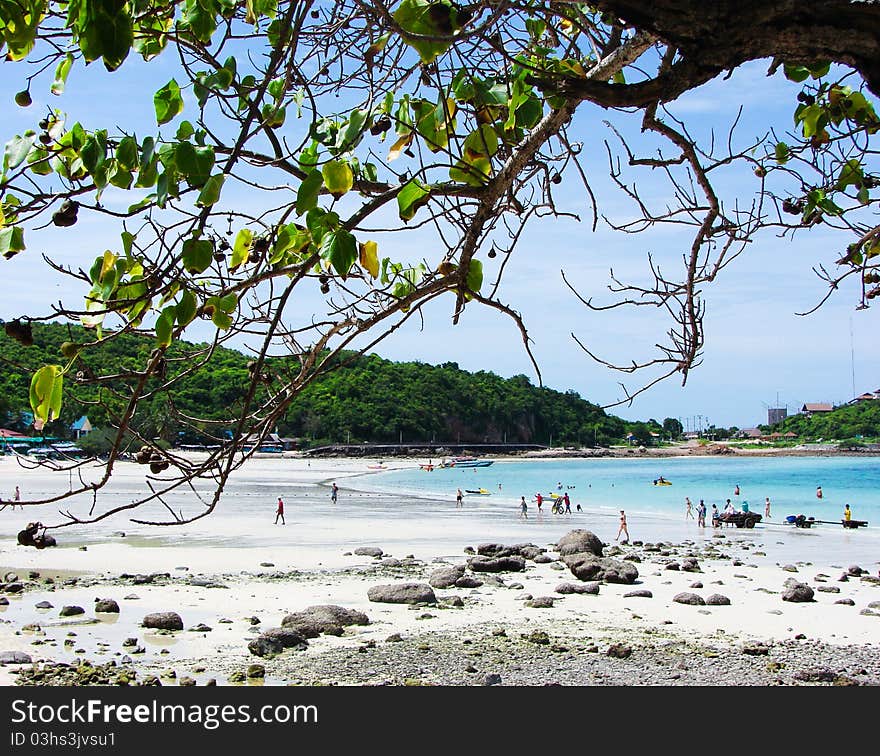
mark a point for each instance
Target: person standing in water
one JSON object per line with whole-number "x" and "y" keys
{"x": 523, "y": 508}
{"x": 458, "y": 498}
{"x": 622, "y": 529}
{"x": 540, "y": 500}
{"x": 767, "y": 507}
{"x": 279, "y": 512}
{"x": 334, "y": 492}
{"x": 688, "y": 513}
{"x": 847, "y": 514}
{"x": 818, "y": 492}
{"x": 567, "y": 503}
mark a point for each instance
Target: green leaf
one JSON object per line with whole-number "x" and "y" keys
{"x": 168, "y": 102}
{"x": 165, "y": 326}
{"x": 187, "y": 308}
{"x": 46, "y": 394}
{"x": 184, "y": 131}
{"x": 428, "y": 19}
{"x": 340, "y": 248}
{"x": 11, "y": 241}
{"x": 795, "y": 73}
{"x": 61, "y": 72}
{"x": 194, "y": 162}
{"x": 411, "y": 197}
{"x": 127, "y": 153}
{"x": 850, "y": 175}
{"x": 241, "y": 250}
{"x": 17, "y": 150}
{"x": 210, "y": 193}
{"x": 197, "y": 255}
{"x": 289, "y": 237}
{"x": 307, "y": 194}
{"x": 783, "y": 153}
{"x": 338, "y": 177}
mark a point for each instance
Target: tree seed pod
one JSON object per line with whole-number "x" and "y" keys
{"x": 21, "y": 332}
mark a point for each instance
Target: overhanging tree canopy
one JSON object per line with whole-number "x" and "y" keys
{"x": 294, "y": 139}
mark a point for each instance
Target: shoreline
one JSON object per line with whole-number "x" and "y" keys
{"x": 218, "y": 590}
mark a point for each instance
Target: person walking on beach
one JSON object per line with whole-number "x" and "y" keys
{"x": 847, "y": 514}
{"x": 279, "y": 512}
{"x": 716, "y": 517}
{"x": 540, "y": 500}
{"x": 767, "y": 507}
{"x": 523, "y": 509}
{"x": 622, "y": 528}
{"x": 333, "y": 492}
{"x": 458, "y": 498}
{"x": 567, "y": 503}
{"x": 701, "y": 514}
{"x": 688, "y": 513}
{"x": 16, "y": 497}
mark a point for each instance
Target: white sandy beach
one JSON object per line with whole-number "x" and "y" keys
{"x": 309, "y": 561}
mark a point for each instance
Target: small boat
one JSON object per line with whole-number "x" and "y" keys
{"x": 377, "y": 467}
{"x": 466, "y": 462}
{"x": 427, "y": 468}
{"x": 662, "y": 482}
{"x": 481, "y": 491}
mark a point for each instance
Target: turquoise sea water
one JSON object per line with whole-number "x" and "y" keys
{"x": 619, "y": 483}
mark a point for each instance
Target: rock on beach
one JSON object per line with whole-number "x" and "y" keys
{"x": 402, "y": 593}
{"x": 325, "y": 619}
{"x": 163, "y": 621}
{"x": 579, "y": 542}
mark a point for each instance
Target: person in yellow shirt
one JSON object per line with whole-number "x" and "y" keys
{"x": 847, "y": 514}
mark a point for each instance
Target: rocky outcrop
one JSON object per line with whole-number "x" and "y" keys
{"x": 586, "y": 588}
{"x": 689, "y": 598}
{"x": 275, "y": 641}
{"x": 579, "y": 542}
{"x": 402, "y": 593}
{"x": 587, "y": 567}
{"x": 798, "y": 593}
{"x": 716, "y": 599}
{"x": 445, "y": 577}
{"x": 372, "y": 551}
{"x": 163, "y": 621}
{"x": 497, "y": 564}
{"x": 325, "y": 619}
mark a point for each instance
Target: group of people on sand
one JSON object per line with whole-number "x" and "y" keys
{"x": 561, "y": 505}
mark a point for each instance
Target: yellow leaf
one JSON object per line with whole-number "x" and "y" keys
{"x": 399, "y": 146}
{"x": 369, "y": 258}
{"x": 108, "y": 264}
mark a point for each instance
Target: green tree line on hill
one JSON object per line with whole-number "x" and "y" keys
{"x": 369, "y": 399}
{"x": 859, "y": 421}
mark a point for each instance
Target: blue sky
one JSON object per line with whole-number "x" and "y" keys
{"x": 757, "y": 346}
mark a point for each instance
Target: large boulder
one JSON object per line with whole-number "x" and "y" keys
{"x": 579, "y": 541}
{"x": 798, "y": 593}
{"x": 163, "y": 621}
{"x": 402, "y": 593}
{"x": 14, "y": 657}
{"x": 587, "y": 567}
{"x": 445, "y": 577}
{"x": 373, "y": 551}
{"x": 274, "y": 641}
{"x": 327, "y": 619}
{"x": 497, "y": 564}
{"x": 107, "y": 606}
{"x": 689, "y": 598}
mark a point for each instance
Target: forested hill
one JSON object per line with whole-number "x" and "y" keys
{"x": 849, "y": 421}
{"x": 372, "y": 399}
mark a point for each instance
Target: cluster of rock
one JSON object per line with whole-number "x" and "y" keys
{"x": 581, "y": 551}
{"x": 296, "y": 628}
